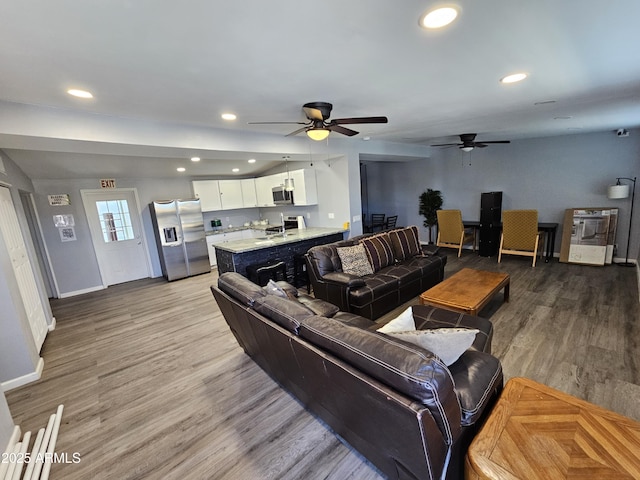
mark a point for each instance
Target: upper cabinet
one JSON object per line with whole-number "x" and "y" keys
{"x": 208, "y": 192}
{"x": 255, "y": 192}
{"x": 305, "y": 189}
{"x": 249, "y": 197}
{"x": 231, "y": 194}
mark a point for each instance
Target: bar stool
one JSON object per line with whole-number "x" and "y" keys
{"x": 260, "y": 273}
{"x": 300, "y": 272}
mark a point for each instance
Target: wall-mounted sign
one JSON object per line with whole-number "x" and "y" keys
{"x": 59, "y": 200}
{"x": 67, "y": 234}
{"x": 107, "y": 183}
{"x": 64, "y": 221}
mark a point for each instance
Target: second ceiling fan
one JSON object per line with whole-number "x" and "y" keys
{"x": 468, "y": 143}
{"x": 319, "y": 126}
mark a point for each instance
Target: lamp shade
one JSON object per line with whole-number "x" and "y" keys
{"x": 618, "y": 191}
{"x": 318, "y": 133}
{"x": 289, "y": 186}
{"x": 466, "y": 149}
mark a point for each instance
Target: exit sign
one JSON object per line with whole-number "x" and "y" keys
{"x": 108, "y": 183}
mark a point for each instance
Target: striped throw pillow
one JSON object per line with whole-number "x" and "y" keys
{"x": 405, "y": 242}
{"x": 379, "y": 250}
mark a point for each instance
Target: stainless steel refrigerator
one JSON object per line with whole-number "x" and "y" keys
{"x": 180, "y": 237}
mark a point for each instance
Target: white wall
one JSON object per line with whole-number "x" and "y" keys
{"x": 548, "y": 174}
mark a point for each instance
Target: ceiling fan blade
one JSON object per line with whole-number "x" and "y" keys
{"x": 296, "y": 132}
{"x": 479, "y": 145}
{"x": 277, "y": 123}
{"x": 347, "y": 121}
{"x": 344, "y": 131}
{"x": 446, "y": 144}
{"x": 496, "y": 141}
{"x": 313, "y": 113}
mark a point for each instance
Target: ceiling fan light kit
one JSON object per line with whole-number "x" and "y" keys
{"x": 317, "y": 134}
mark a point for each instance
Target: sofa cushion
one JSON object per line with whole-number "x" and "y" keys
{"x": 354, "y": 260}
{"x": 447, "y": 343}
{"x": 240, "y": 288}
{"x": 403, "y": 273}
{"x": 405, "y": 243}
{"x": 429, "y": 317}
{"x": 476, "y": 376}
{"x": 379, "y": 250}
{"x": 318, "y": 306}
{"x": 375, "y": 287}
{"x": 354, "y": 320}
{"x": 407, "y": 368}
{"x": 286, "y": 313}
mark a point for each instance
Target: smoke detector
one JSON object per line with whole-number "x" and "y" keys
{"x": 622, "y": 132}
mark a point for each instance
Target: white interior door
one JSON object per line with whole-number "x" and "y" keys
{"x": 116, "y": 231}
{"x": 12, "y": 235}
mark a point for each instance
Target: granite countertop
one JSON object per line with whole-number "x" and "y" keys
{"x": 293, "y": 235}
{"x": 236, "y": 229}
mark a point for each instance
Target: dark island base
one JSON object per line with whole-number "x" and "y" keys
{"x": 238, "y": 262}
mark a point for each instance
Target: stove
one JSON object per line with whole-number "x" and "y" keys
{"x": 289, "y": 224}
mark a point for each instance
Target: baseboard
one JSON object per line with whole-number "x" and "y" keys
{"x": 25, "y": 379}
{"x": 52, "y": 325}
{"x": 81, "y": 292}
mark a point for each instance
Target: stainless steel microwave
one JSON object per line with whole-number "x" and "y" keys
{"x": 282, "y": 196}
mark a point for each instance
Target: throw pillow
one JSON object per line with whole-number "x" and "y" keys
{"x": 354, "y": 260}
{"x": 402, "y": 323}
{"x": 446, "y": 343}
{"x": 273, "y": 288}
{"x": 379, "y": 251}
{"x": 405, "y": 243}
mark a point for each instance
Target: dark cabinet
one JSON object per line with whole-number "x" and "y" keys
{"x": 490, "y": 219}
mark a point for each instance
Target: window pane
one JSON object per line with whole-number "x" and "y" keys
{"x": 115, "y": 220}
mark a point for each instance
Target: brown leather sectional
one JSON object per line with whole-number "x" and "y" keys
{"x": 371, "y": 296}
{"x": 397, "y": 404}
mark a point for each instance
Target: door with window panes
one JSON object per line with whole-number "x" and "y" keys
{"x": 116, "y": 231}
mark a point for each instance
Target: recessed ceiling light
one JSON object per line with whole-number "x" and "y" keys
{"x": 79, "y": 93}
{"x": 181, "y": 169}
{"x": 235, "y": 170}
{"x": 438, "y": 18}
{"x": 252, "y": 160}
{"x": 513, "y": 78}
{"x": 366, "y": 139}
{"x": 228, "y": 116}
{"x": 195, "y": 159}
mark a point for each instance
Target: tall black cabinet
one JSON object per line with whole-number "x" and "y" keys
{"x": 490, "y": 218}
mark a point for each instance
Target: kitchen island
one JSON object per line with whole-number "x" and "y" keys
{"x": 236, "y": 255}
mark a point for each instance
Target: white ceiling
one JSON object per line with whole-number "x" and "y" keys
{"x": 187, "y": 62}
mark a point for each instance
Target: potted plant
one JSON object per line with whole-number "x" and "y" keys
{"x": 430, "y": 202}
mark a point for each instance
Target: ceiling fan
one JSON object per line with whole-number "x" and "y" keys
{"x": 468, "y": 142}
{"x": 319, "y": 126}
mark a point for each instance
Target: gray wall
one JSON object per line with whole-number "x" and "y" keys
{"x": 548, "y": 174}
{"x": 6, "y": 423}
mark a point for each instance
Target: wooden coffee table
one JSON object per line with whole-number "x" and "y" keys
{"x": 536, "y": 432}
{"x": 467, "y": 291}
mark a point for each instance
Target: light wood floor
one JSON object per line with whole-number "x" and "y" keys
{"x": 155, "y": 386}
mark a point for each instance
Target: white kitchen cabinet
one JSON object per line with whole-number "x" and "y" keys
{"x": 264, "y": 186}
{"x": 217, "y": 239}
{"x": 305, "y": 187}
{"x": 249, "y": 197}
{"x": 231, "y": 194}
{"x": 208, "y": 191}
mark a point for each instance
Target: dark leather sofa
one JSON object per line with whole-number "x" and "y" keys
{"x": 371, "y": 296}
{"x": 395, "y": 403}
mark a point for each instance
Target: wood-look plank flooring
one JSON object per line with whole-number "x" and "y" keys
{"x": 156, "y": 387}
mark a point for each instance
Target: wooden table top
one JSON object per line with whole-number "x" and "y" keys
{"x": 467, "y": 290}
{"x": 536, "y": 432}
